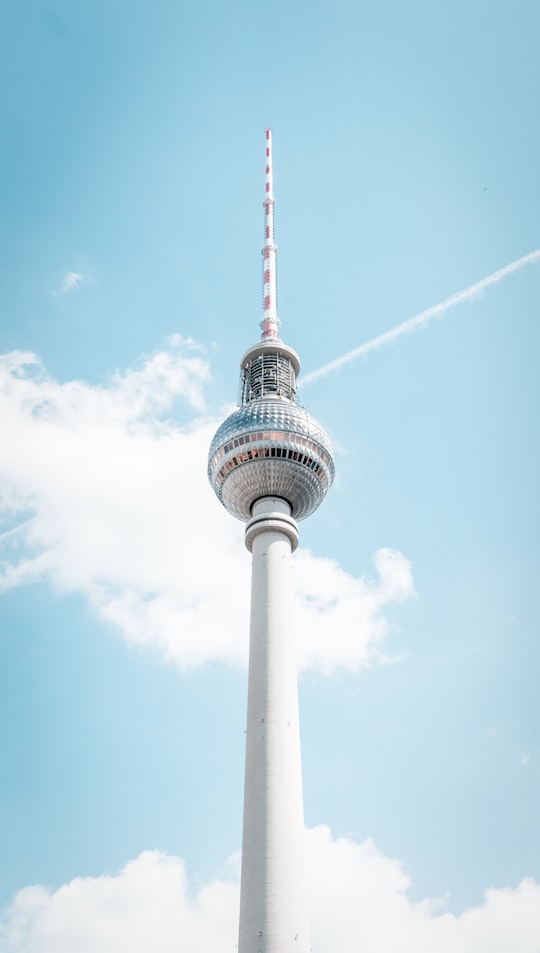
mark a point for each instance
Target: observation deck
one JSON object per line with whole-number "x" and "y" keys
{"x": 270, "y": 446}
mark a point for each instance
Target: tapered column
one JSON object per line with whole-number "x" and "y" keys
{"x": 273, "y": 901}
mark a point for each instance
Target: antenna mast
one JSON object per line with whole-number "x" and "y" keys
{"x": 270, "y": 322}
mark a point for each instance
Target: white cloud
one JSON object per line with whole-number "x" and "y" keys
{"x": 104, "y": 492}
{"x": 177, "y": 340}
{"x": 351, "y": 608}
{"x": 70, "y": 281}
{"x": 149, "y": 906}
{"x": 359, "y": 900}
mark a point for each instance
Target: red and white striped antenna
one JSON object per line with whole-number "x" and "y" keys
{"x": 270, "y": 322}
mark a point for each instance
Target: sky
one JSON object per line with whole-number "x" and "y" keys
{"x": 406, "y": 172}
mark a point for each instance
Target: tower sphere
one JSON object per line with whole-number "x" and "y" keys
{"x": 270, "y": 446}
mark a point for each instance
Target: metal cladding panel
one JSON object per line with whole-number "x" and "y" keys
{"x": 255, "y": 479}
{"x": 271, "y": 447}
{"x": 270, "y": 414}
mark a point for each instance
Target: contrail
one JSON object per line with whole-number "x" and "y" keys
{"x": 423, "y": 318}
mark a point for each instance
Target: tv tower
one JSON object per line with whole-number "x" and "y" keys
{"x": 271, "y": 464}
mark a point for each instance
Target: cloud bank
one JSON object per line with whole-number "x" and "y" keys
{"x": 103, "y": 491}
{"x": 359, "y": 901}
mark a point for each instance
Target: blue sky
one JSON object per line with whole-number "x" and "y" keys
{"x": 405, "y": 142}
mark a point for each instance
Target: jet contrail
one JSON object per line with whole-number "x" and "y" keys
{"x": 423, "y": 318}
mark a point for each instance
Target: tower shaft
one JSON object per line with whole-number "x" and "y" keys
{"x": 273, "y": 905}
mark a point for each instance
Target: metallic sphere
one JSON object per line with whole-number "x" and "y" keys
{"x": 270, "y": 447}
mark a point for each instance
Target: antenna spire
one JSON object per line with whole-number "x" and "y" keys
{"x": 270, "y": 322}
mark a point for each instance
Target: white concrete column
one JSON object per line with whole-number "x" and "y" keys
{"x": 273, "y": 903}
